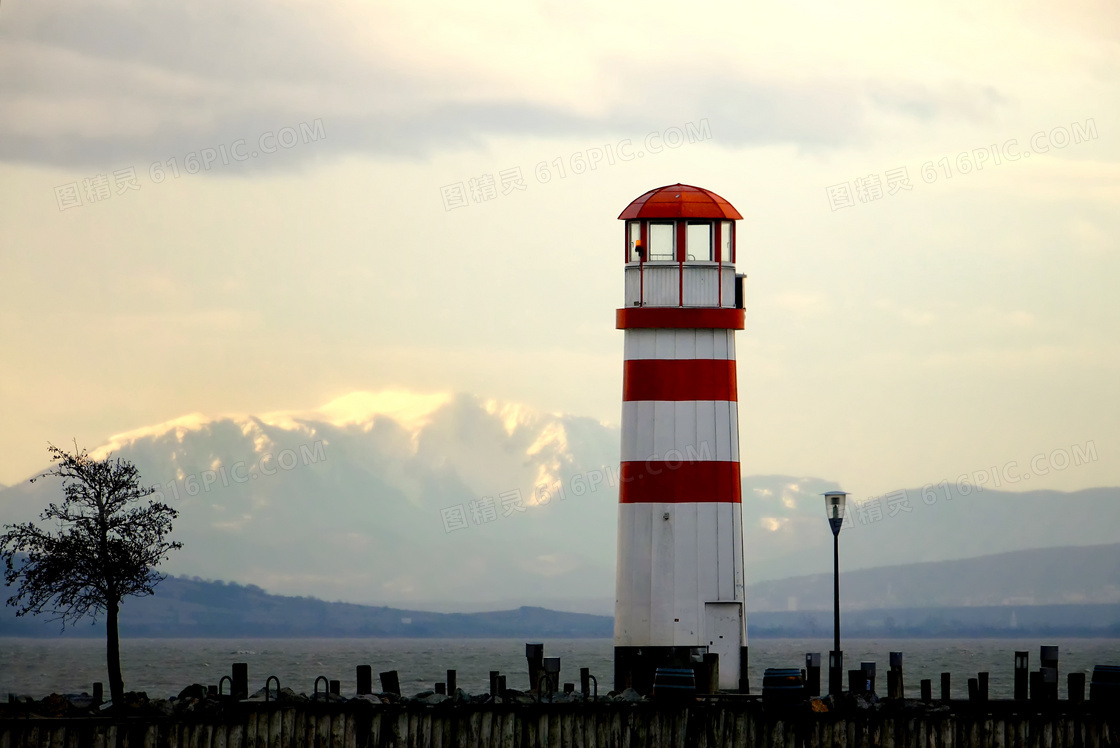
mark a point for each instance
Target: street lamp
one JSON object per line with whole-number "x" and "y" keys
{"x": 834, "y": 502}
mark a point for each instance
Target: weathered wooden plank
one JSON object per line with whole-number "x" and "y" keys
{"x": 338, "y": 729}
{"x": 287, "y": 727}
{"x": 236, "y": 737}
{"x": 250, "y": 737}
{"x": 298, "y": 737}
{"x": 57, "y": 736}
{"x": 375, "y": 725}
{"x": 350, "y": 736}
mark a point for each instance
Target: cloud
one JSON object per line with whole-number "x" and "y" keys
{"x": 121, "y": 81}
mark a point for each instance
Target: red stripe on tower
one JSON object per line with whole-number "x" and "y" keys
{"x": 675, "y": 482}
{"x": 679, "y": 379}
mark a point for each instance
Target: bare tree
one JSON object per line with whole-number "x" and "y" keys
{"x": 103, "y": 546}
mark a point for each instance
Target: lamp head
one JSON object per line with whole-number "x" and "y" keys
{"x": 834, "y": 504}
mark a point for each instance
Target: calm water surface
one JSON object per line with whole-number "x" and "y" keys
{"x": 162, "y": 667}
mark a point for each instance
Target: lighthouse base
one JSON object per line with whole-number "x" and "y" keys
{"x": 634, "y": 667}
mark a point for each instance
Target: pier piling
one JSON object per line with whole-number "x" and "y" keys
{"x": 365, "y": 679}
{"x": 240, "y": 678}
{"x": 812, "y": 674}
{"x": 899, "y": 690}
{"x": 1022, "y": 676}
{"x": 390, "y": 683}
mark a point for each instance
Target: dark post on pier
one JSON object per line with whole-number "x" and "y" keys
{"x": 390, "y": 683}
{"x": 240, "y": 687}
{"x": 1022, "y": 675}
{"x": 896, "y": 689}
{"x": 365, "y": 679}
{"x": 1049, "y": 657}
{"x": 534, "y": 655}
{"x": 813, "y": 674}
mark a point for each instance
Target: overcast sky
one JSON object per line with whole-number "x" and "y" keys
{"x": 322, "y": 236}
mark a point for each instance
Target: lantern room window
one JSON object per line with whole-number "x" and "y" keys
{"x": 698, "y": 237}
{"x": 634, "y": 229}
{"x": 661, "y": 242}
{"x": 727, "y": 242}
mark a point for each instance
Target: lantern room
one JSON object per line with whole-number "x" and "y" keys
{"x": 680, "y": 248}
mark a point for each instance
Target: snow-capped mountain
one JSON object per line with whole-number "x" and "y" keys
{"x": 454, "y": 502}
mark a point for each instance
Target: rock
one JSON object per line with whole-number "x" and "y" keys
{"x": 630, "y": 695}
{"x": 817, "y": 705}
{"x": 162, "y": 707}
{"x": 513, "y": 696}
{"x": 81, "y": 701}
{"x": 460, "y": 697}
{"x": 193, "y": 691}
{"x": 135, "y": 700}
{"x": 328, "y": 698}
{"x": 55, "y": 705}
{"x": 432, "y": 698}
{"x": 369, "y": 698}
{"x": 186, "y": 705}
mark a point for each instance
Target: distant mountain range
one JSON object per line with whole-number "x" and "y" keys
{"x": 452, "y": 503}
{"x": 875, "y": 602}
{"x": 1047, "y": 576}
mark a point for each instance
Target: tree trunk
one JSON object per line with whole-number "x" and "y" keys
{"x": 113, "y": 655}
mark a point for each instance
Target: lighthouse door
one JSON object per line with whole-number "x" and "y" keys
{"x": 723, "y": 626}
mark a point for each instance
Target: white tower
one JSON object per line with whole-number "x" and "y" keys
{"x": 679, "y": 590}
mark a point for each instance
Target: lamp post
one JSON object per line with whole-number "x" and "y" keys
{"x": 834, "y": 502}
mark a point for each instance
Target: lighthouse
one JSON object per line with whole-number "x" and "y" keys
{"x": 679, "y": 585}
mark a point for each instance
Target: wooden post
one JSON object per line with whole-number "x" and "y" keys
{"x": 855, "y": 681}
{"x": 1036, "y": 687}
{"x": 835, "y": 672}
{"x": 502, "y": 687}
{"x": 982, "y": 685}
{"x": 534, "y": 655}
{"x": 451, "y": 682}
{"x": 711, "y": 670}
{"x": 1022, "y": 676}
{"x": 494, "y": 684}
{"x": 1049, "y": 657}
{"x": 365, "y": 679}
{"x": 973, "y": 691}
{"x": 441, "y": 688}
{"x": 946, "y": 692}
{"x": 899, "y": 691}
{"x": 1075, "y": 687}
{"x": 744, "y": 673}
{"x": 240, "y": 687}
{"x": 98, "y": 692}
{"x": 812, "y": 674}
{"x": 868, "y": 670}
{"x": 569, "y": 688}
{"x": 390, "y": 683}
{"x": 334, "y": 686}
{"x": 927, "y": 690}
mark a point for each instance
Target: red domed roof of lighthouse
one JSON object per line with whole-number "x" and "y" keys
{"x": 680, "y": 201}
